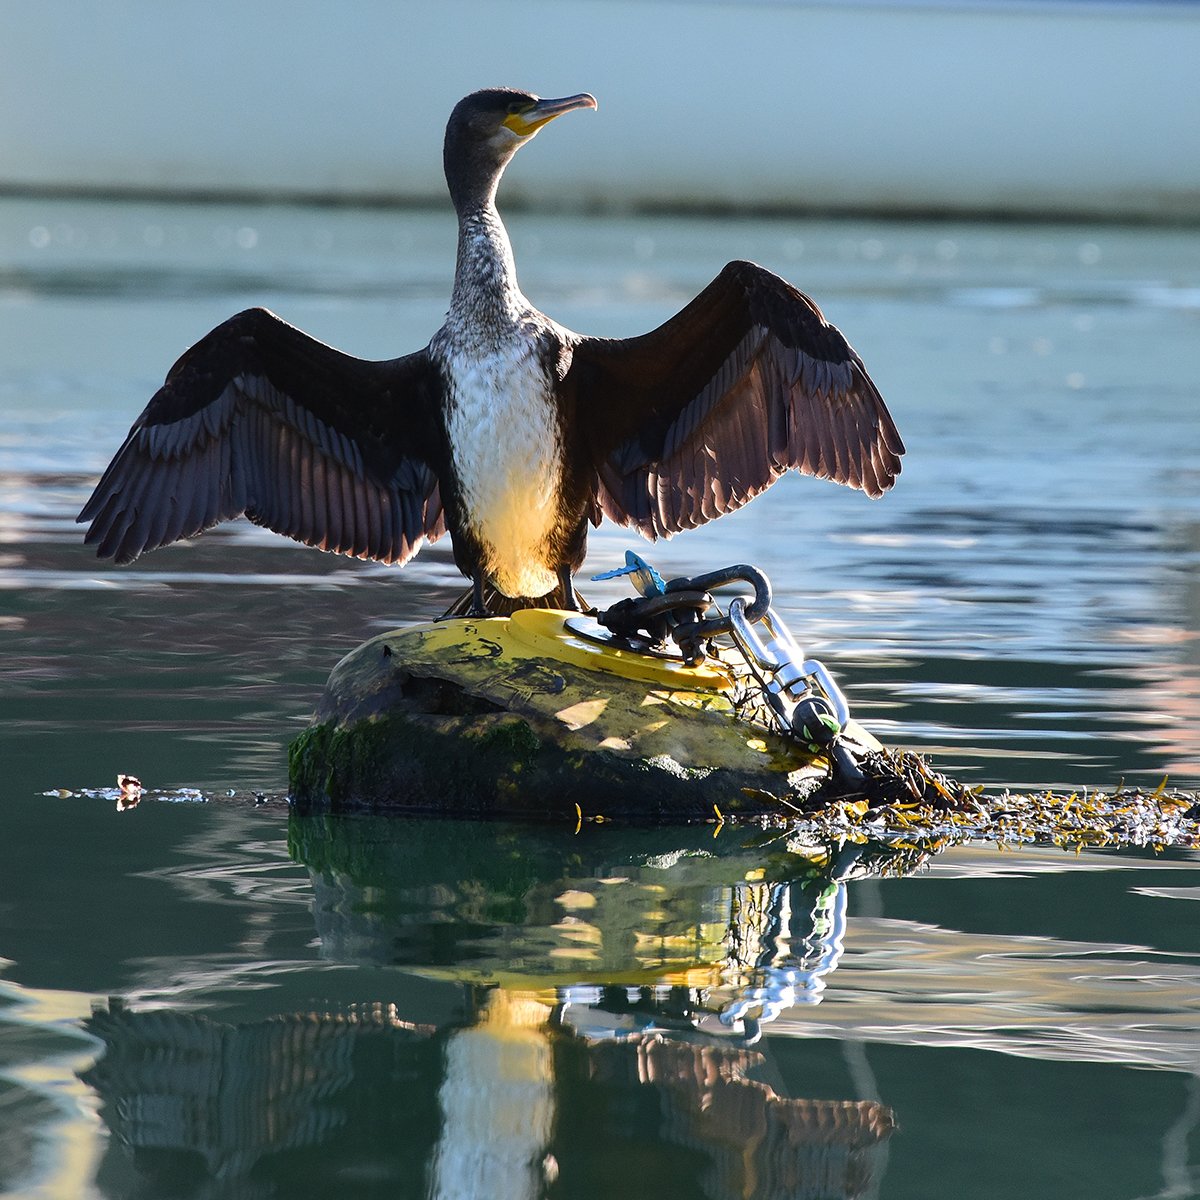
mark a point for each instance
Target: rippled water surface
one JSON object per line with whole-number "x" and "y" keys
{"x": 207, "y": 997}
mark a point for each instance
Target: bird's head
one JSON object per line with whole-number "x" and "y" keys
{"x": 486, "y": 129}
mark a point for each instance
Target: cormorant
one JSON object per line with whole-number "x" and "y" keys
{"x": 508, "y": 430}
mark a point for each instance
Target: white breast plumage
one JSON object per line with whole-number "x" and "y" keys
{"x": 504, "y": 436}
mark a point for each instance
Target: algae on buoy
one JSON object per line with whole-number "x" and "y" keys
{"x": 522, "y": 716}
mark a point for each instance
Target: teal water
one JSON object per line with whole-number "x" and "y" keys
{"x": 202, "y": 998}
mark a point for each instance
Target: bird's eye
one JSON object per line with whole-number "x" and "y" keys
{"x": 517, "y": 106}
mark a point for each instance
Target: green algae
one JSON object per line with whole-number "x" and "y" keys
{"x": 439, "y": 720}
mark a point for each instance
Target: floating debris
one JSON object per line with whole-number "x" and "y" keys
{"x": 131, "y": 791}
{"x": 907, "y": 799}
{"x": 907, "y": 803}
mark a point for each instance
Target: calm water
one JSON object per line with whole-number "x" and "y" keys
{"x": 198, "y": 1000}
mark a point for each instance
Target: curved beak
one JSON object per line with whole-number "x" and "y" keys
{"x": 533, "y": 118}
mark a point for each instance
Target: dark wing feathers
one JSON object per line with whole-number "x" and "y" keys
{"x": 748, "y": 381}
{"x": 258, "y": 418}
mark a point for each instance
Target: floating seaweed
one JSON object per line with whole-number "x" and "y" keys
{"x": 908, "y": 799}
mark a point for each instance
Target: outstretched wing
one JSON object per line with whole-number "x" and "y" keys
{"x": 259, "y": 418}
{"x": 748, "y": 381}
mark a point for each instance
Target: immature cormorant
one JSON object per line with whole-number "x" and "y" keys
{"x": 508, "y": 430}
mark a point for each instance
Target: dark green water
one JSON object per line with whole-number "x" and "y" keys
{"x": 190, "y": 1005}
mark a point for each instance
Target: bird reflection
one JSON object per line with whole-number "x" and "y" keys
{"x": 543, "y": 1083}
{"x": 514, "y": 1106}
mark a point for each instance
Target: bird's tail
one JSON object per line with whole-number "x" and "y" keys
{"x": 500, "y": 605}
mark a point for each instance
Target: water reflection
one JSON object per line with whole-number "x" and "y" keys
{"x": 511, "y": 1105}
{"x": 490, "y": 1004}
{"x": 629, "y": 929}
{"x": 601, "y": 1001}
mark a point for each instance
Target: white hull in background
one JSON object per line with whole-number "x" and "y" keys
{"x": 1018, "y": 107}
